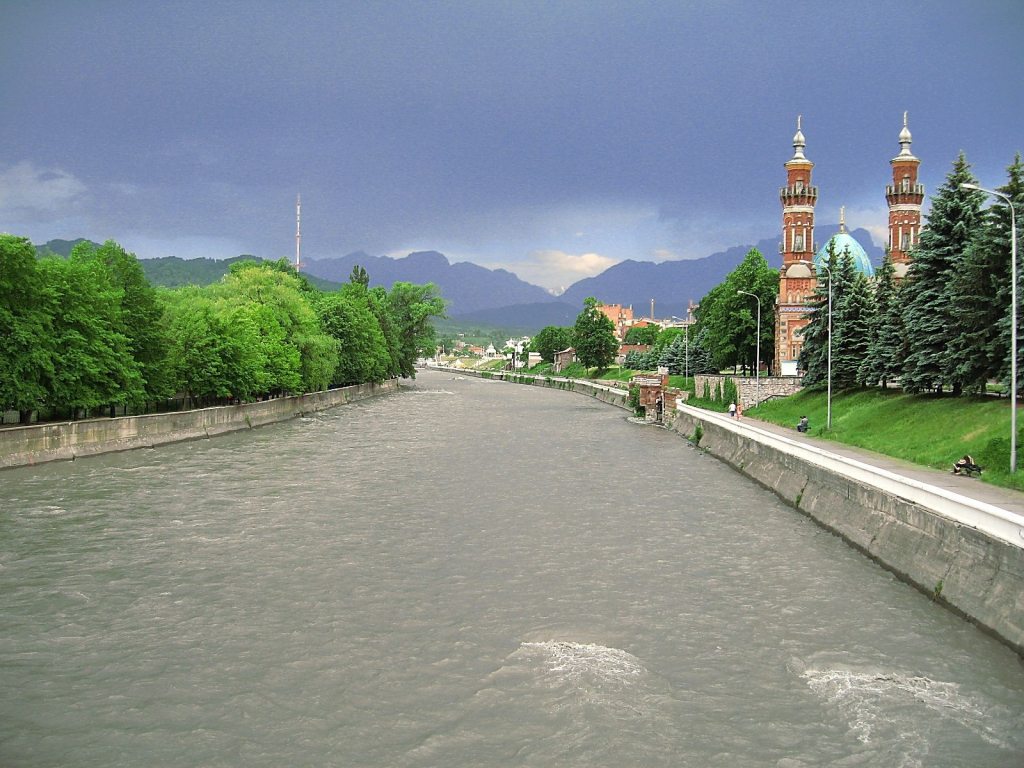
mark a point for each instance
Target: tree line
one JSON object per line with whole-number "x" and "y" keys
{"x": 90, "y": 332}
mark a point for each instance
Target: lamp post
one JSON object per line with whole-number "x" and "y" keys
{"x": 757, "y": 350}
{"x": 1013, "y": 318}
{"x": 686, "y": 361}
{"x": 828, "y": 396}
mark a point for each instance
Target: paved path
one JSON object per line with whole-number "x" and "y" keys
{"x": 972, "y": 488}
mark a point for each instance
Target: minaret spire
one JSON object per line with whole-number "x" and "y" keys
{"x": 798, "y": 141}
{"x": 842, "y": 218}
{"x": 905, "y": 139}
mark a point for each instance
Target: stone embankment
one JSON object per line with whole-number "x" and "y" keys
{"x": 21, "y": 446}
{"x": 965, "y": 554}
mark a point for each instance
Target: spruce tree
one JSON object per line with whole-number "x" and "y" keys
{"x": 930, "y": 303}
{"x": 814, "y": 352}
{"x": 994, "y": 242}
{"x": 886, "y": 351}
{"x": 857, "y": 317}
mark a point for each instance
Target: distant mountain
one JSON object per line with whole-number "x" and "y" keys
{"x": 466, "y": 287}
{"x": 673, "y": 284}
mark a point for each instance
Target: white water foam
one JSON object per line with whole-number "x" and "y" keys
{"x": 876, "y": 702}
{"x": 585, "y": 663}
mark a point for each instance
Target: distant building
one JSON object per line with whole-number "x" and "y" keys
{"x": 621, "y": 317}
{"x": 564, "y": 359}
{"x": 801, "y": 260}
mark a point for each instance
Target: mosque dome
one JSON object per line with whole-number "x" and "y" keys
{"x": 842, "y": 241}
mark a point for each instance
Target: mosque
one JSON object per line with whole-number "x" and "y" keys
{"x": 801, "y": 260}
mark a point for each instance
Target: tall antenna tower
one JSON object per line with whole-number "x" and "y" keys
{"x": 298, "y": 232}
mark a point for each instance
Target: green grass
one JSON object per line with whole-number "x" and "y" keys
{"x": 929, "y": 430}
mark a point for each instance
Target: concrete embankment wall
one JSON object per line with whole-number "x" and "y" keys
{"x": 966, "y": 554}
{"x": 20, "y": 446}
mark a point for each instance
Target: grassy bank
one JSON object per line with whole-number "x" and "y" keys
{"x": 929, "y": 430}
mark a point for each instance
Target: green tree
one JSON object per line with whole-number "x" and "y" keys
{"x": 673, "y": 356}
{"x": 730, "y": 320}
{"x": 411, "y": 308}
{"x": 298, "y": 355}
{"x": 550, "y": 340}
{"x": 855, "y": 319}
{"x": 985, "y": 322}
{"x": 26, "y": 364}
{"x": 593, "y": 336}
{"x": 215, "y": 347}
{"x": 642, "y": 334}
{"x": 359, "y": 276}
{"x": 887, "y": 345}
{"x": 140, "y": 314}
{"x": 814, "y": 351}
{"x": 92, "y": 361}
{"x": 930, "y": 303}
{"x": 362, "y": 349}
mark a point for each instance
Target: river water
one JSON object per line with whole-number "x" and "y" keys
{"x": 466, "y": 573}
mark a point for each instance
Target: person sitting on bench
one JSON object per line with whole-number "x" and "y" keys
{"x": 966, "y": 466}
{"x": 803, "y": 426}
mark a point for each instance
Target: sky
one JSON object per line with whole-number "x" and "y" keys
{"x": 552, "y": 139}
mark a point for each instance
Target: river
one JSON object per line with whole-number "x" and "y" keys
{"x": 466, "y": 573}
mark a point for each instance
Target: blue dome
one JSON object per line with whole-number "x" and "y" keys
{"x": 842, "y": 241}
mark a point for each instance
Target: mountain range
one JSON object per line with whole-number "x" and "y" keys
{"x": 496, "y": 296}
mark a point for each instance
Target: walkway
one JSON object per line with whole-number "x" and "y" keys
{"x": 972, "y": 488}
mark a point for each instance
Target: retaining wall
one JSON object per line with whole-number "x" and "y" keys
{"x": 69, "y": 440}
{"x": 966, "y": 554}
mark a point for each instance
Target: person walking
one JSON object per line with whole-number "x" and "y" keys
{"x": 732, "y": 410}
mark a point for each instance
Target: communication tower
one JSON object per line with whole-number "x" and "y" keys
{"x": 298, "y": 232}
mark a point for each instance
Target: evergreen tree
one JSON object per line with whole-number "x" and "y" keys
{"x": 814, "y": 352}
{"x": 886, "y": 350}
{"x": 674, "y": 356}
{"x": 930, "y": 304}
{"x": 993, "y": 250}
{"x": 701, "y": 359}
{"x": 857, "y": 317}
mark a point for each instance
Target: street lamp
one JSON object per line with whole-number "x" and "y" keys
{"x": 757, "y": 350}
{"x": 828, "y": 396}
{"x": 1013, "y": 318}
{"x": 686, "y": 362}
